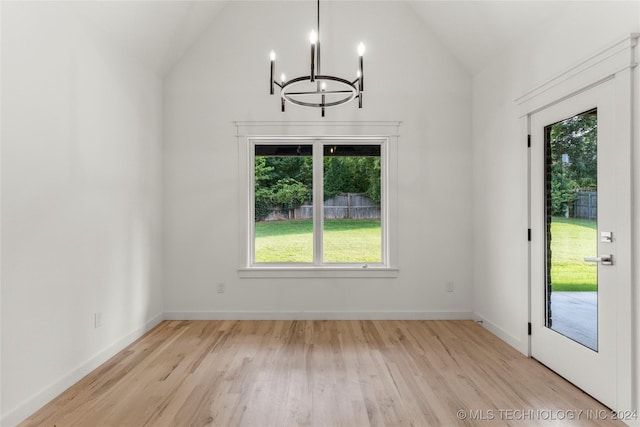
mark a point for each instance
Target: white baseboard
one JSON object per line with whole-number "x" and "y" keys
{"x": 510, "y": 339}
{"x": 44, "y": 396}
{"x": 319, "y": 315}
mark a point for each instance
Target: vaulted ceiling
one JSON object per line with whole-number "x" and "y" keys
{"x": 156, "y": 32}
{"x": 475, "y": 31}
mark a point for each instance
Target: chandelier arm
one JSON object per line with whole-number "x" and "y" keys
{"x": 297, "y": 80}
{"x": 273, "y": 67}
{"x": 313, "y": 57}
{"x": 348, "y": 95}
{"x": 318, "y": 77}
{"x": 320, "y": 105}
{"x": 318, "y": 47}
{"x": 327, "y": 92}
{"x": 333, "y": 78}
{"x": 361, "y": 78}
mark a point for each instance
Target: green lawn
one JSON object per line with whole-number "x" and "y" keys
{"x": 345, "y": 240}
{"x": 572, "y": 240}
{"x": 360, "y": 241}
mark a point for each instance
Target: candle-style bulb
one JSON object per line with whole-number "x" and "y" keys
{"x": 283, "y": 78}
{"x": 313, "y": 37}
{"x": 323, "y": 86}
{"x": 272, "y": 55}
{"x": 361, "y": 49}
{"x": 359, "y": 74}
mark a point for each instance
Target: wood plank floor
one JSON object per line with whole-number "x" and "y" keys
{"x": 320, "y": 373}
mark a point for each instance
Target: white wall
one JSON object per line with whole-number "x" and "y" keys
{"x": 636, "y": 225}
{"x": 80, "y": 202}
{"x": 409, "y": 77}
{"x": 499, "y": 153}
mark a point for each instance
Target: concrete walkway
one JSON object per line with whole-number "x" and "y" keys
{"x": 575, "y": 315}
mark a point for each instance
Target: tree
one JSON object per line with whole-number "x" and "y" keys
{"x": 286, "y": 182}
{"x": 263, "y": 193}
{"x": 299, "y": 168}
{"x": 288, "y": 194}
{"x": 576, "y": 138}
{"x": 351, "y": 174}
{"x": 374, "y": 173}
{"x": 563, "y": 190}
{"x": 277, "y": 184}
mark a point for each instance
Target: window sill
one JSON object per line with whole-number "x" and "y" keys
{"x": 317, "y": 272}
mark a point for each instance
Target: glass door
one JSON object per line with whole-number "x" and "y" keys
{"x": 573, "y": 190}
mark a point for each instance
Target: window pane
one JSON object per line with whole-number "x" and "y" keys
{"x": 352, "y": 231}
{"x": 571, "y": 148}
{"x": 283, "y": 177}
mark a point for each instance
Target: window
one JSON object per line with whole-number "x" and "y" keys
{"x": 318, "y": 203}
{"x": 283, "y": 203}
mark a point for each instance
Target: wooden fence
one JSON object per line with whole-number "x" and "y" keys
{"x": 351, "y": 206}
{"x": 343, "y": 206}
{"x": 586, "y": 205}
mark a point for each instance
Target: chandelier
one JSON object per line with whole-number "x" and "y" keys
{"x": 316, "y": 89}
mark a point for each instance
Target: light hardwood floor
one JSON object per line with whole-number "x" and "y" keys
{"x": 321, "y": 373}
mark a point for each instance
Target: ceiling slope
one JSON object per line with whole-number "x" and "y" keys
{"x": 477, "y": 31}
{"x": 158, "y": 33}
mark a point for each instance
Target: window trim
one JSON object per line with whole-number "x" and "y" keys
{"x": 385, "y": 268}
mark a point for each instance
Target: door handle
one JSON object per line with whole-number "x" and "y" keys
{"x": 602, "y": 259}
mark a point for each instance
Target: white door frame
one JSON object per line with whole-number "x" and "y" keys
{"x": 617, "y": 63}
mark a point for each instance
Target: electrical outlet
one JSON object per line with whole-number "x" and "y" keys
{"x": 97, "y": 320}
{"x": 449, "y": 286}
{"x": 221, "y": 288}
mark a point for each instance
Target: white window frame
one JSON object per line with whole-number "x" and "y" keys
{"x": 385, "y": 268}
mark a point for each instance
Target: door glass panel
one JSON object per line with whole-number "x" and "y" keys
{"x": 571, "y": 190}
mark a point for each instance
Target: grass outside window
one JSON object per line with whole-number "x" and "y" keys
{"x": 346, "y": 240}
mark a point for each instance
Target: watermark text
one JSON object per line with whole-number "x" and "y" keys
{"x": 544, "y": 414}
